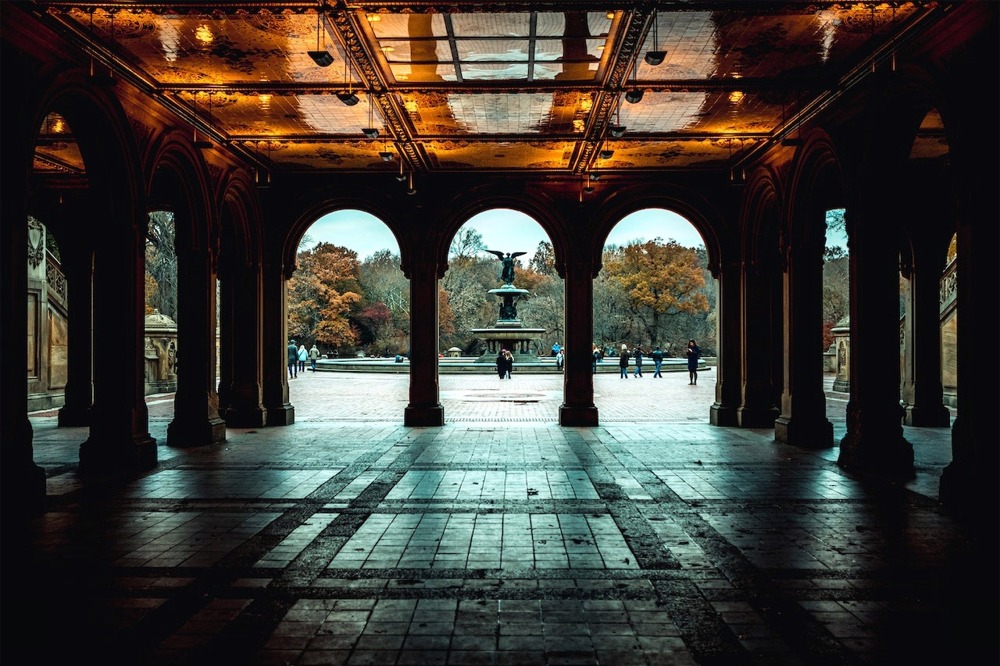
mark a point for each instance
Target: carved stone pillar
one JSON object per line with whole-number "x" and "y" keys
{"x": 759, "y": 343}
{"x": 803, "y": 421}
{"x": 727, "y": 383}
{"x": 77, "y": 262}
{"x": 275, "y": 353}
{"x": 23, "y": 482}
{"x": 119, "y": 442}
{"x": 578, "y": 407}
{"x": 424, "y": 408}
{"x": 923, "y": 392}
{"x": 241, "y": 332}
{"x": 196, "y": 403}
{"x": 874, "y": 442}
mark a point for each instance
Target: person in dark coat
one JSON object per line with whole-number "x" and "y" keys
{"x": 508, "y": 362}
{"x": 501, "y": 364}
{"x": 657, "y": 357}
{"x": 693, "y": 354}
{"x": 623, "y": 363}
{"x": 637, "y": 354}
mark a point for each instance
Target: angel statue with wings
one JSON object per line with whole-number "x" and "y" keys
{"x": 507, "y": 272}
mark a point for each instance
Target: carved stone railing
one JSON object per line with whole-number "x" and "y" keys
{"x": 56, "y": 280}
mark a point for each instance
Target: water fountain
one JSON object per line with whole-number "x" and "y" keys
{"x": 508, "y": 332}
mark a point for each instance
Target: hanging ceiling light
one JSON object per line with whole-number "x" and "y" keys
{"x": 384, "y": 153}
{"x": 370, "y": 132}
{"x": 348, "y": 98}
{"x": 655, "y": 58}
{"x": 320, "y": 56}
{"x": 634, "y": 95}
{"x": 617, "y": 130}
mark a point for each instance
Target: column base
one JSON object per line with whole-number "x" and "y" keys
{"x": 117, "y": 460}
{"x": 71, "y": 417}
{"x": 883, "y": 456}
{"x": 245, "y": 417}
{"x": 578, "y": 417}
{"x": 718, "y": 415}
{"x": 924, "y": 417}
{"x": 756, "y": 417}
{"x": 423, "y": 417}
{"x": 280, "y": 416}
{"x": 185, "y": 434}
{"x": 808, "y": 434}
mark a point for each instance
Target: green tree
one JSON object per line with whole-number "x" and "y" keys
{"x": 161, "y": 264}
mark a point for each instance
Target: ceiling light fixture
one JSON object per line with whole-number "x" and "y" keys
{"x": 370, "y": 132}
{"x": 348, "y": 98}
{"x": 401, "y": 177}
{"x": 617, "y": 130}
{"x": 655, "y": 58}
{"x": 411, "y": 190}
{"x": 635, "y": 95}
{"x": 320, "y": 56}
{"x": 384, "y": 153}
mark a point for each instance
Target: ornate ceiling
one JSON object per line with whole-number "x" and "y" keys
{"x": 546, "y": 87}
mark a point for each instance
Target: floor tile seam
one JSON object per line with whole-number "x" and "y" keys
{"x": 782, "y": 614}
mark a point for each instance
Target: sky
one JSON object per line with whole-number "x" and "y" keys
{"x": 366, "y": 234}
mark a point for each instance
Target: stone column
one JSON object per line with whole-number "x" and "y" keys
{"x": 196, "y": 403}
{"x": 803, "y": 421}
{"x": 119, "y": 442}
{"x": 759, "y": 343}
{"x": 424, "y": 408}
{"x": 241, "y": 342}
{"x": 727, "y": 383}
{"x": 77, "y": 262}
{"x": 874, "y": 442}
{"x": 22, "y": 482}
{"x": 578, "y": 407}
{"x": 275, "y": 335}
{"x": 923, "y": 392}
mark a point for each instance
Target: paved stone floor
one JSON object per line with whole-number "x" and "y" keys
{"x": 499, "y": 538}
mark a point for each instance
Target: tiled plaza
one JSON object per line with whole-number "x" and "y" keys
{"x": 498, "y": 538}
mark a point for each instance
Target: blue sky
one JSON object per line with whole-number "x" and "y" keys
{"x": 502, "y": 229}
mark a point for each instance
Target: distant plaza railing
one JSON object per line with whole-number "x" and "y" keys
{"x": 468, "y": 364}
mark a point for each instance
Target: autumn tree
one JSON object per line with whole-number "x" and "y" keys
{"x": 322, "y": 296}
{"x": 385, "y": 287}
{"x": 659, "y": 281}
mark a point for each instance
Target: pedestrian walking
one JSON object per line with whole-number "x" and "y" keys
{"x": 657, "y": 357}
{"x": 559, "y": 360}
{"x": 623, "y": 363}
{"x": 313, "y": 357}
{"x": 293, "y": 360}
{"x": 693, "y": 354}
{"x": 303, "y": 356}
{"x": 597, "y": 357}
{"x": 501, "y": 364}
{"x": 638, "y": 361}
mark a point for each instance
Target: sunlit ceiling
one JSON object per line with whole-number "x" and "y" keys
{"x": 486, "y": 87}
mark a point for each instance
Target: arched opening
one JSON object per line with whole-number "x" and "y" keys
{"x": 349, "y": 318}
{"x": 501, "y": 320}
{"x": 836, "y": 307}
{"x": 653, "y": 296}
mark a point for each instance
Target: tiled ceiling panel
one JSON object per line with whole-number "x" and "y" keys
{"x": 454, "y": 84}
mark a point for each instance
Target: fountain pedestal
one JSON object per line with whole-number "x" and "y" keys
{"x": 509, "y": 331}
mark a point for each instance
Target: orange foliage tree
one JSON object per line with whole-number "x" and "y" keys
{"x": 322, "y": 296}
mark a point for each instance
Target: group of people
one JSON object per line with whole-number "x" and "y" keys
{"x": 637, "y": 354}
{"x": 297, "y": 357}
{"x": 505, "y": 363}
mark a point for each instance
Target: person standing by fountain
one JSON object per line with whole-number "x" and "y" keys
{"x": 508, "y": 362}
{"x": 623, "y": 363}
{"x": 501, "y": 364}
{"x": 693, "y": 354}
{"x": 638, "y": 361}
{"x": 657, "y": 357}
